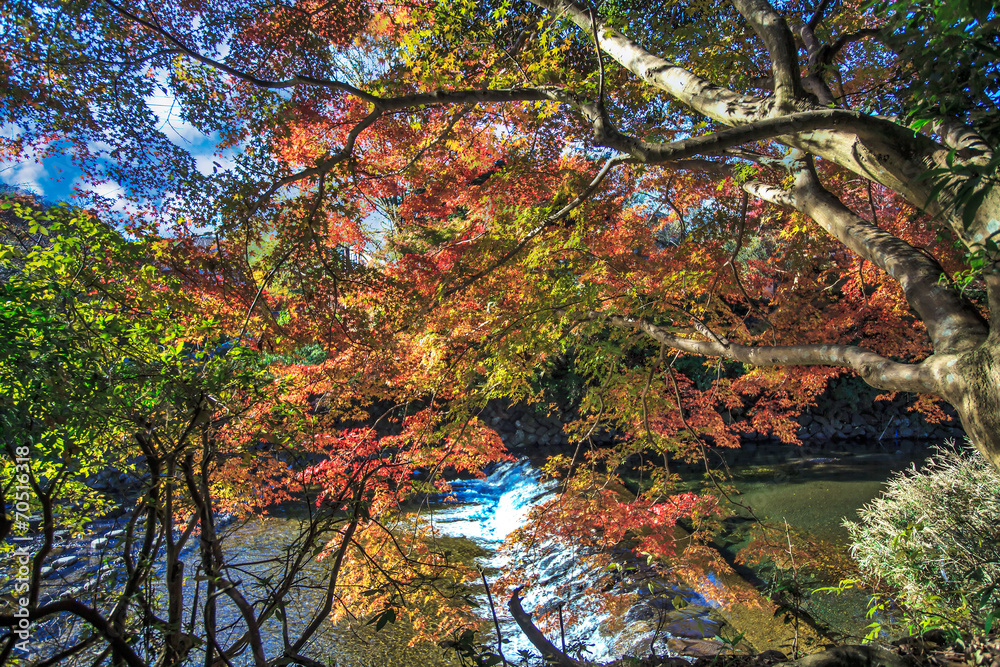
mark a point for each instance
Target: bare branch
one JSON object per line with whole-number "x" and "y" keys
{"x": 120, "y": 647}
{"x": 817, "y": 16}
{"x": 332, "y": 579}
{"x": 718, "y": 142}
{"x": 297, "y": 80}
{"x": 830, "y": 53}
{"x": 550, "y": 653}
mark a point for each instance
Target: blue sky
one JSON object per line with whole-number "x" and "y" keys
{"x": 54, "y": 178}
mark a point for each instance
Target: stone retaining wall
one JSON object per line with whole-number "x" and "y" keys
{"x": 834, "y": 428}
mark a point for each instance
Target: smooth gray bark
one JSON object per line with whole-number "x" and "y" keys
{"x": 965, "y": 366}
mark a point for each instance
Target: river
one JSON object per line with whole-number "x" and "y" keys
{"x": 812, "y": 496}
{"x": 477, "y": 516}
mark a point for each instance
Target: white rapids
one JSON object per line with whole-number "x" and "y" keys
{"x": 489, "y": 510}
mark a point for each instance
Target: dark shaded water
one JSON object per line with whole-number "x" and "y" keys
{"x": 816, "y": 497}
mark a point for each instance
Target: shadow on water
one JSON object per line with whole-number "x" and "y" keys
{"x": 471, "y": 522}
{"x": 815, "y": 497}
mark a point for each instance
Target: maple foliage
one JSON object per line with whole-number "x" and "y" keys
{"x": 415, "y": 208}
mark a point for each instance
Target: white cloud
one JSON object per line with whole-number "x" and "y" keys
{"x": 108, "y": 191}
{"x": 202, "y": 147}
{"x": 31, "y": 176}
{"x": 166, "y": 109}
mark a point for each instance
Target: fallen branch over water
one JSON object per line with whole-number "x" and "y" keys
{"x": 549, "y": 652}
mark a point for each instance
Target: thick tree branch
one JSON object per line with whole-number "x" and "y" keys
{"x": 962, "y": 138}
{"x": 817, "y": 16}
{"x": 811, "y": 83}
{"x": 876, "y": 370}
{"x": 718, "y": 103}
{"x": 550, "y": 653}
{"x": 992, "y": 279}
{"x": 770, "y": 193}
{"x": 717, "y": 142}
{"x": 953, "y": 324}
{"x": 814, "y": 82}
{"x": 476, "y": 96}
{"x": 873, "y": 147}
{"x": 773, "y": 31}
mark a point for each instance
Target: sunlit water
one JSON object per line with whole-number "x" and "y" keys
{"x": 485, "y": 511}
{"x": 489, "y": 510}
{"x": 815, "y": 496}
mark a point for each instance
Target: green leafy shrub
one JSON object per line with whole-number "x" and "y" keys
{"x": 934, "y": 537}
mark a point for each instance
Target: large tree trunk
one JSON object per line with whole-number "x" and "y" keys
{"x": 973, "y": 388}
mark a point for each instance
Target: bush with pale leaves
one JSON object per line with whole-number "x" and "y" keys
{"x": 934, "y": 535}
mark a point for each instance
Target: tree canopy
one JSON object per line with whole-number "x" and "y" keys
{"x": 415, "y": 207}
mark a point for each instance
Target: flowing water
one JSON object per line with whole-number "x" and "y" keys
{"x": 813, "y": 496}
{"x": 559, "y": 576}
{"x": 481, "y": 513}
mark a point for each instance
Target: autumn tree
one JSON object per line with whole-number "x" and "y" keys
{"x": 386, "y": 126}
{"x": 106, "y": 368}
{"x": 784, "y": 191}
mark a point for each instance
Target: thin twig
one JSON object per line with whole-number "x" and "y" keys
{"x": 795, "y": 592}
{"x": 645, "y": 408}
{"x": 493, "y": 610}
{"x": 600, "y": 64}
